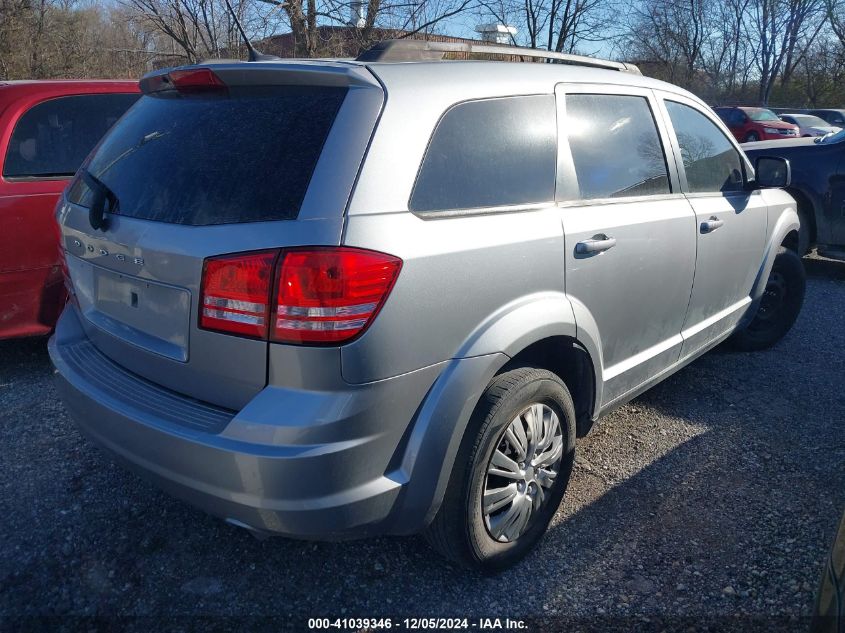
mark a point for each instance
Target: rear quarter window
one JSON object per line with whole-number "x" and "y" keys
{"x": 52, "y": 138}
{"x": 489, "y": 153}
{"x": 200, "y": 159}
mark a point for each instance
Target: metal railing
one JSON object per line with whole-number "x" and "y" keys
{"x": 420, "y": 50}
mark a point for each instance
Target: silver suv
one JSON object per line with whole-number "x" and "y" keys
{"x": 331, "y": 299}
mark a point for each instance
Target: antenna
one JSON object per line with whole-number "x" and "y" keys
{"x": 254, "y": 54}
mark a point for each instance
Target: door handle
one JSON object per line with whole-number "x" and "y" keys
{"x": 711, "y": 225}
{"x": 588, "y": 247}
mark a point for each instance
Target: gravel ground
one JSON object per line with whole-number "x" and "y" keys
{"x": 710, "y": 501}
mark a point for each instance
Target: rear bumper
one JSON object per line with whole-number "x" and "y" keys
{"x": 303, "y": 464}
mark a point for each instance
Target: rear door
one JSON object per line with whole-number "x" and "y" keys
{"x": 730, "y": 222}
{"x": 629, "y": 231}
{"x": 242, "y": 159}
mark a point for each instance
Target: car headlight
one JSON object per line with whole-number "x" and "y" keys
{"x": 771, "y": 130}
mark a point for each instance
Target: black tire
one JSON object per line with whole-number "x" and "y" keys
{"x": 751, "y": 137}
{"x": 779, "y": 307}
{"x": 459, "y": 531}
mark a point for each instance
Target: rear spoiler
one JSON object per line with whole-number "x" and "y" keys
{"x": 219, "y": 76}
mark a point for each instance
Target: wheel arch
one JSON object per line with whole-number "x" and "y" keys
{"x": 570, "y": 361}
{"x": 807, "y": 207}
{"x": 537, "y": 331}
{"x": 784, "y": 230}
{"x": 552, "y": 331}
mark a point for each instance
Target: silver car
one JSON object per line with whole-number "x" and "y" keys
{"x": 332, "y": 299}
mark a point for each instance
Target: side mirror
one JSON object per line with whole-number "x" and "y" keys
{"x": 772, "y": 171}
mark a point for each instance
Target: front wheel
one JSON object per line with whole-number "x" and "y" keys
{"x": 779, "y": 306}
{"x": 510, "y": 472}
{"x": 751, "y": 137}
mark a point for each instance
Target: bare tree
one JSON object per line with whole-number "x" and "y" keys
{"x": 728, "y": 50}
{"x": 785, "y": 29}
{"x": 672, "y": 33}
{"x": 573, "y": 23}
{"x": 836, "y": 16}
{"x": 372, "y": 17}
{"x": 822, "y": 71}
{"x": 555, "y": 25}
{"x": 67, "y": 38}
{"x": 197, "y": 29}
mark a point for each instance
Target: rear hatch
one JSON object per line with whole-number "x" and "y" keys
{"x": 212, "y": 160}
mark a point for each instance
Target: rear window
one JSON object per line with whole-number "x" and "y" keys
{"x": 246, "y": 156}
{"x": 52, "y": 138}
{"x": 488, "y": 153}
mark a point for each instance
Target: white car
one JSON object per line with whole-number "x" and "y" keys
{"x": 810, "y": 125}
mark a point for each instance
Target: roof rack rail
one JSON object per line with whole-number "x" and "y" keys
{"x": 423, "y": 50}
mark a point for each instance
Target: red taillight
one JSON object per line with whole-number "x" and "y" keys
{"x": 235, "y": 293}
{"x": 330, "y": 295}
{"x": 323, "y": 295}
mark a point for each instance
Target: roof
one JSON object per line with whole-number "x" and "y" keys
{"x": 507, "y": 77}
{"x": 502, "y": 77}
{"x": 59, "y": 87}
{"x": 62, "y": 82}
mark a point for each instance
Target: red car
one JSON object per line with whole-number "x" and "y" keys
{"x": 47, "y": 128}
{"x": 755, "y": 124}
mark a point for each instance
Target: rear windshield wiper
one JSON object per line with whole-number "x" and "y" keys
{"x": 102, "y": 196}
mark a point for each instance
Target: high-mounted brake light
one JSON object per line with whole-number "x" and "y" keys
{"x": 235, "y": 293}
{"x": 330, "y": 295}
{"x": 321, "y": 295}
{"x": 188, "y": 80}
{"x": 196, "y": 79}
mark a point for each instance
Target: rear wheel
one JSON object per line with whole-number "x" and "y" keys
{"x": 751, "y": 137}
{"x": 510, "y": 473}
{"x": 779, "y": 306}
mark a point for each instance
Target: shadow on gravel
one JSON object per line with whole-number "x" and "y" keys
{"x": 733, "y": 514}
{"x": 19, "y": 355}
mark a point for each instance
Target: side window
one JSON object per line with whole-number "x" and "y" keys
{"x": 615, "y": 146}
{"x": 489, "y": 153}
{"x": 711, "y": 162}
{"x": 52, "y": 138}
